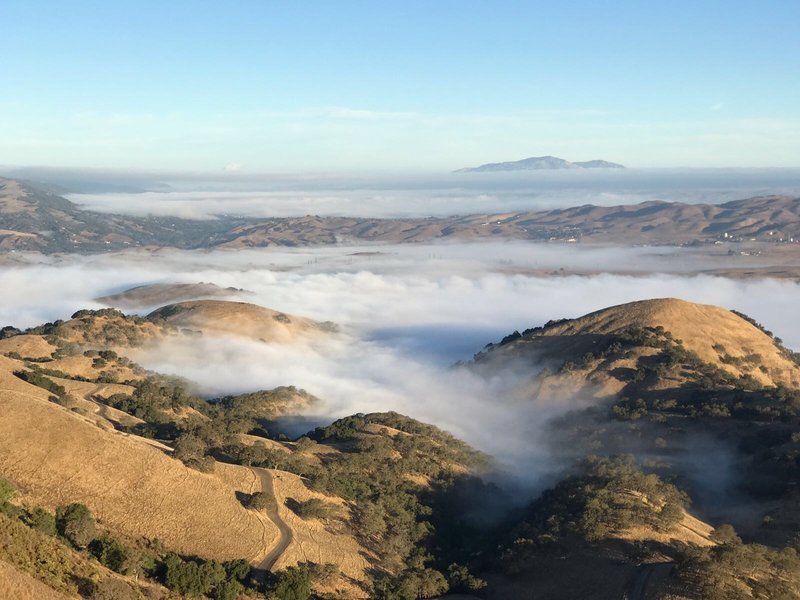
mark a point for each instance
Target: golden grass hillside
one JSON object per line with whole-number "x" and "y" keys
{"x": 709, "y": 331}
{"x": 54, "y": 456}
{"x": 18, "y": 585}
{"x": 57, "y": 454}
{"x": 719, "y": 338}
{"x": 27, "y": 346}
{"x": 322, "y": 540}
{"x": 240, "y": 319}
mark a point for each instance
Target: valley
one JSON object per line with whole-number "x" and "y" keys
{"x": 654, "y": 384}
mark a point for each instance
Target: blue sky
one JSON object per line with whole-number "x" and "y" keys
{"x": 327, "y": 86}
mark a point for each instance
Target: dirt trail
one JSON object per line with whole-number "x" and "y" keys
{"x": 285, "y": 531}
{"x": 263, "y": 475}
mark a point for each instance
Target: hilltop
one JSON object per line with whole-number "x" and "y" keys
{"x": 709, "y": 403}
{"x": 601, "y": 353}
{"x": 109, "y": 328}
{"x": 540, "y": 163}
{"x": 160, "y": 294}
{"x": 236, "y": 318}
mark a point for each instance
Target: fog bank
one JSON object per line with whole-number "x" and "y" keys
{"x": 439, "y": 195}
{"x": 406, "y": 315}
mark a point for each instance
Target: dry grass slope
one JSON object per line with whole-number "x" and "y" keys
{"x": 55, "y": 456}
{"x": 715, "y": 335}
{"x": 317, "y": 541}
{"x": 17, "y": 585}
{"x": 235, "y": 318}
{"x": 701, "y": 327}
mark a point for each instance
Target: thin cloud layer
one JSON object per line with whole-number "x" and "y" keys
{"x": 440, "y": 195}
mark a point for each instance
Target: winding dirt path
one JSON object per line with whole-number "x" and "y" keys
{"x": 263, "y": 475}
{"x": 285, "y": 531}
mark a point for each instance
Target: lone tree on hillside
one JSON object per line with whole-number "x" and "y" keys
{"x": 313, "y": 508}
{"x": 76, "y": 524}
{"x": 261, "y": 501}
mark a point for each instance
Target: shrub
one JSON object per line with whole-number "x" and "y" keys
{"x": 261, "y": 501}
{"x": 6, "y": 491}
{"x": 313, "y": 508}
{"x": 238, "y": 569}
{"x": 629, "y": 410}
{"x": 41, "y": 520}
{"x": 725, "y": 534}
{"x": 41, "y": 381}
{"x": 293, "y": 584}
{"x": 114, "y": 554}
{"x": 461, "y": 580}
{"x": 227, "y": 590}
{"x": 412, "y": 584}
{"x": 322, "y": 573}
{"x": 189, "y": 577}
{"x": 75, "y": 523}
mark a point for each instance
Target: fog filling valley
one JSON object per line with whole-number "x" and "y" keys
{"x": 433, "y": 194}
{"x": 406, "y": 314}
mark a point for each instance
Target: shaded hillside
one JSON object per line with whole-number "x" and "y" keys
{"x": 32, "y": 219}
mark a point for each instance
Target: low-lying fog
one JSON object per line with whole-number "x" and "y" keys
{"x": 443, "y": 194}
{"x": 406, "y": 315}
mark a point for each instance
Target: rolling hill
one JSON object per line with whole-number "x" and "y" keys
{"x": 165, "y": 472}
{"x": 236, "y": 318}
{"x": 380, "y": 505}
{"x": 599, "y": 353}
{"x": 34, "y": 220}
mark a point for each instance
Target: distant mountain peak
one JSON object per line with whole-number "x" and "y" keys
{"x": 540, "y": 163}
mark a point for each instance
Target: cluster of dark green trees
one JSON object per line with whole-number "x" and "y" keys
{"x": 733, "y": 570}
{"x": 371, "y": 470}
{"x": 604, "y": 496}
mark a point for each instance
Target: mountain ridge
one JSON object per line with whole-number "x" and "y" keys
{"x": 540, "y": 163}
{"x": 31, "y": 220}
